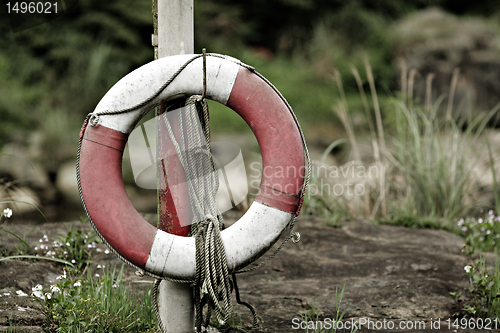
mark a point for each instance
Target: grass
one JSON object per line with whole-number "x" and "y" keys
{"x": 311, "y": 321}
{"x": 425, "y": 170}
{"x": 95, "y": 304}
{"x": 483, "y": 295}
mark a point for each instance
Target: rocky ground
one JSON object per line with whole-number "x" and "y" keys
{"x": 390, "y": 274}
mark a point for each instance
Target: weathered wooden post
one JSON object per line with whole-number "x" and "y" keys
{"x": 173, "y": 34}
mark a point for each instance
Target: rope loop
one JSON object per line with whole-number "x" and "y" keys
{"x": 93, "y": 119}
{"x": 295, "y": 237}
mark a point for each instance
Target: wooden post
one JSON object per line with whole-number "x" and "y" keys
{"x": 173, "y": 34}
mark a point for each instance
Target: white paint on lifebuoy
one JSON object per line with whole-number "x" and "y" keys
{"x": 140, "y": 84}
{"x": 255, "y": 231}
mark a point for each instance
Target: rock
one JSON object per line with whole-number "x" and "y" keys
{"x": 432, "y": 41}
{"x": 66, "y": 182}
{"x": 387, "y": 272}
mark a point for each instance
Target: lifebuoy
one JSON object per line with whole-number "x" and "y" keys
{"x": 231, "y": 83}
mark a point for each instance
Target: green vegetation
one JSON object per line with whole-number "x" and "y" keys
{"x": 312, "y": 322}
{"x": 95, "y": 304}
{"x": 483, "y": 299}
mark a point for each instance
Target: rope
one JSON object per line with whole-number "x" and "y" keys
{"x": 212, "y": 274}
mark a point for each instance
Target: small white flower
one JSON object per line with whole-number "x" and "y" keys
{"x": 49, "y": 295}
{"x": 7, "y": 212}
{"x": 98, "y": 250}
{"x": 68, "y": 244}
{"x": 38, "y": 294}
{"x": 73, "y": 261}
{"x": 55, "y": 289}
{"x": 99, "y": 266}
{"x": 97, "y": 275}
{"x": 468, "y": 268}
{"x": 106, "y": 251}
{"x": 77, "y": 284}
{"x": 38, "y": 287}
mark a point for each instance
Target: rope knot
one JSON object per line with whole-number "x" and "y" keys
{"x": 93, "y": 119}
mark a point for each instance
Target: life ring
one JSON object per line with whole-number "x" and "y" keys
{"x": 231, "y": 83}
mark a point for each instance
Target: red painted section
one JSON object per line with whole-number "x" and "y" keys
{"x": 105, "y": 198}
{"x": 279, "y": 140}
{"x": 175, "y": 213}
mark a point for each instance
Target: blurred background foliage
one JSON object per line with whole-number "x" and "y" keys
{"x": 53, "y": 75}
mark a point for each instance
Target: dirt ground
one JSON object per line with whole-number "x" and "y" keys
{"x": 389, "y": 274}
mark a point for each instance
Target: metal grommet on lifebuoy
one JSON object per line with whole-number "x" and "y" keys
{"x": 230, "y": 83}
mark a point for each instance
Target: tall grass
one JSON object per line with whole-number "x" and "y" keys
{"x": 425, "y": 159}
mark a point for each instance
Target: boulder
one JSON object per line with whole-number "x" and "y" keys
{"x": 433, "y": 41}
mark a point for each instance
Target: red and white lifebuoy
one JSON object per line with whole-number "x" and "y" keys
{"x": 229, "y": 83}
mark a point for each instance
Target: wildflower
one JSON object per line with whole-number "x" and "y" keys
{"x": 63, "y": 276}
{"x": 55, "y": 289}
{"x": 68, "y": 244}
{"x": 77, "y": 284}
{"x": 49, "y": 295}
{"x": 99, "y": 266}
{"x": 106, "y": 251}
{"x": 98, "y": 250}
{"x": 38, "y": 287}
{"x": 97, "y": 275}
{"x": 7, "y": 212}
{"x": 73, "y": 261}
{"x": 38, "y": 294}
{"x": 468, "y": 269}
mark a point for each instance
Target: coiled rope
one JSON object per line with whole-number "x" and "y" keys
{"x": 212, "y": 275}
